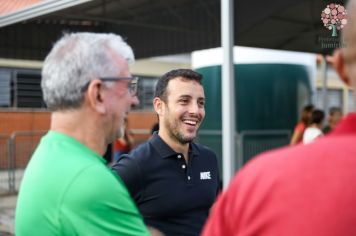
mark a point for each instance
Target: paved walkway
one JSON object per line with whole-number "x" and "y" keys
{"x": 8, "y": 202}
{"x": 7, "y": 214}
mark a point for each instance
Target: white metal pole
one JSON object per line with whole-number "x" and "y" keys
{"x": 228, "y": 91}
{"x": 324, "y": 90}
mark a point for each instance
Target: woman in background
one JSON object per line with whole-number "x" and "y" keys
{"x": 314, "y": 129}
{"x": 304, "y": 121}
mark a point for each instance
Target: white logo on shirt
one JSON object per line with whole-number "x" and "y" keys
{"x": 205, "y": 175}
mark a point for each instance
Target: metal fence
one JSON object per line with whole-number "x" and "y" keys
{"x": 253, "y": 142}
{"x": 249, "y": 143}
{"x": 15, "y": 152}
{"x": 4, "y": 163}
{"x": 17, "y": 149}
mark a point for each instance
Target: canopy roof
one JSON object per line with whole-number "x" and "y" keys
{"x": 162, "y": 27}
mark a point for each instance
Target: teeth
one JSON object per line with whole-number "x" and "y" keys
{"x": 190, "y": 122}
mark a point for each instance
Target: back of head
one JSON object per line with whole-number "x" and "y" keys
{"x": 317, "y": 116}
{"x": 161, "y": 87}
{"x": 335, "y": 115}
{"x": 305, "y": 116}
{"x": 74, "y": 61}
{"x": 334, "y": 110}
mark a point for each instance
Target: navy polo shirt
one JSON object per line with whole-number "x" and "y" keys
{"x": 172, "y": 195}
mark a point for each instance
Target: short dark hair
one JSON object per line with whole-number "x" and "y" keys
{"x": 305, "y": 116}
{"x": 317, "y": 116}
{"x": 161, "y": 87}
{"x": 334, "y": 110}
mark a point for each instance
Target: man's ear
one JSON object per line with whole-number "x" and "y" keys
{"x": 94, "y": 96}
{"x": 340, "y": 66}
{"x": 158, "y": 105}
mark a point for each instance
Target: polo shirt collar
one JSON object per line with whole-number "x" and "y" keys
{"x": 166, "y": 151}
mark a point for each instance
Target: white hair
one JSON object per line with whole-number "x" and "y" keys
{"x": 74, "y": 61}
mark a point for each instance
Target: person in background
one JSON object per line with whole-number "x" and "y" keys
{"x": 124, "y": 144}
{"x": 334, "y": 117}
{"x": 173, "y": 179}
{"x": 300, "y": 190}
{"x": 314, "y": 131}
{"x": 297, "y": 136}
{"x": 67, "y": 189}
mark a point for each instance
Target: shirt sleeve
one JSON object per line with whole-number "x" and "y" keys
{"x": 130, "y": 173}
{"x": 97, "y": 203}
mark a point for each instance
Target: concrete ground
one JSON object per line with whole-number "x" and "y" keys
{"x": 8, "y": 201}
{"x": 7, "y": 214}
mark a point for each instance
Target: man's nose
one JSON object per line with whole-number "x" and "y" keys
{"x": 194, "y": 108}
{"x": 135, "y": 101}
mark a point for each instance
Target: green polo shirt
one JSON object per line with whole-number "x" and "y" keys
{"x": 68, "y": 190}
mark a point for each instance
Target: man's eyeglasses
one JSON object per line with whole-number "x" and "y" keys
{"x": 132, "y": 86}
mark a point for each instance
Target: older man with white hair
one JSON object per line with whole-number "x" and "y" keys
{"x": 67, "y": 188}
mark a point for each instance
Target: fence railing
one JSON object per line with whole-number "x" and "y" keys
{"x": 5, "y": 167}
{"x": 253, "y": 142}
{"x": 22, "y": 146}
{"x": 16, "y": 150}
{"x": 248, "y": 143}
{"x": 15, "y": 153}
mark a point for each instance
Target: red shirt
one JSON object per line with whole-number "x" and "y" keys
{"x": 303, "y": 190}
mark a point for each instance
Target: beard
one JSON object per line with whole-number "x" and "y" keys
{"x": 175, "y": 133}
{"x": 114, "y": 136}
{"x": 115, "y": 133}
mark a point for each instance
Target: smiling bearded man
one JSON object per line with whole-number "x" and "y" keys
{"x": 173, "y": 180}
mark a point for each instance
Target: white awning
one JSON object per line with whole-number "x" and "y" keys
{"x": 39, "y": 9}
